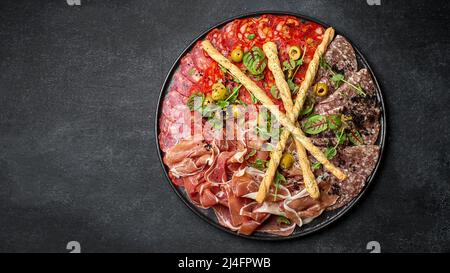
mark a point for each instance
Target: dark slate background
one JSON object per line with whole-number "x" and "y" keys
{"x": 78, "y": 92}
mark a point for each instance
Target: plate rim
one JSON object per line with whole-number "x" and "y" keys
{"x": 325, "y": 223}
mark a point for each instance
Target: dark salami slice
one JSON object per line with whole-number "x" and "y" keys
{"x": 341, "y": 56}
{"x": 358, "y": 162}
{"x": 336, "y": 102}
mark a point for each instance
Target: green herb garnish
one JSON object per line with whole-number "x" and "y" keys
{"x": 255, "y": 61}
{"x": 308, "y": 106}
{"x": 259, "y": 164}
{"x": 283, "y": 220}
{"x": 254, "y": 99}
{"x": 251, "y": 154}
{"x": 274, "y": 92}
{"x": 251, "y": 36}
{"x": 334, "y": 121}
{"x": 315, "y": 124}
{"x": 355, "y": 137}
{"x": 278, "y": 179}
{"x": 192, "y": 99}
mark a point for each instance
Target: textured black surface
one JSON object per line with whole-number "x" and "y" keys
{"x": 78, "y": 91}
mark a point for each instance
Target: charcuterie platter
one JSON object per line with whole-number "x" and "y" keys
{"x": 270, "y": 125}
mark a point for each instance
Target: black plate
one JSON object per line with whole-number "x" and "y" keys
{"x": 325, "y": 218}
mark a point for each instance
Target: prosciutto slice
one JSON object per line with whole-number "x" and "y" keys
{"x": 307, "y": 208}
{"x": 273, "y": 227}
{"x": 189, "y": 157}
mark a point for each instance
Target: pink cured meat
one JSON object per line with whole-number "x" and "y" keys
{"x": 172, "y": 101}
{"x": 189, "y": 70}
{"x": 181, "y": 84}
{"x": 201, "y": 61}
{"x": 166, "y": 141}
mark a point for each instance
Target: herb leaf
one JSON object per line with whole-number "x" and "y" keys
{"x": 308, "y": 106}
{"x": 283, "y": 220}
{"x": 315, "y": 124}
{"x": 355, "y": 137}
{"x": 192, "y": 99}
{"x": 337, "y": 78}
{"x": 251, "y": 154}
{"x": 334, "y": 121}
{"x": 330, "y": 152}
{"x": 291, "y": 84}
{"x": 341, "y": 137}
{"x": 316, "y": 166}
{"x": 251, "y": 36}
{"x": 259, "y": 164}
{"x": 254, "y": 99}
{"x": 279, "y": 178}
{"x": 255, "y": 61}
{"x": 274, "y": 91}
{"x": 287, "y": 65}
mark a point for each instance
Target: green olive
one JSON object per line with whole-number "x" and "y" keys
{"x": 286, "y": 161}
{"x": 219, "y": 91}
{"x": 321, "y": 89}
{"x": 208, "y": 100}
{"x": 294, "y": 53}
{"x": 236, "y": 55}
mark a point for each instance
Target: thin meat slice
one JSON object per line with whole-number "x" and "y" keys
{"x": 166, "y": 141}
{"x": 224, "y": 217}
{"x": 201, "y": 61}
{"x": 189, "y": 70}
{"x": 189, "y": 157}
{"x": 173, "y": 103}
{"x": 358, "y": 162}
{"x": 181, "y": 84}
{"x": 275, "y": 227}
{"x": 307, "y": 208}
{"x": 340, "y": 55}
{"x": 340, "y": 99}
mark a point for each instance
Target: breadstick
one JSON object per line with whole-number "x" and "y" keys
{"x": 270, "y": 49}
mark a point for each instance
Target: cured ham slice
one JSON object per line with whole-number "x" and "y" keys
{"x": 273, "y": 227}
{"x": 189, "y": 157}
{"x": 309, "y": 208}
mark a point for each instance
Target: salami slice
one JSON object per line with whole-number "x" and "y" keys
{"x": 201, "y": 61}
{"x": 340, "y": 99}
{"x": 173, "y": 100}
{"x": 358, "y": 162}
{"x": 181, "y": 84}
{"x": 189, "y": 70}
{"x": 341, "y": 55}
